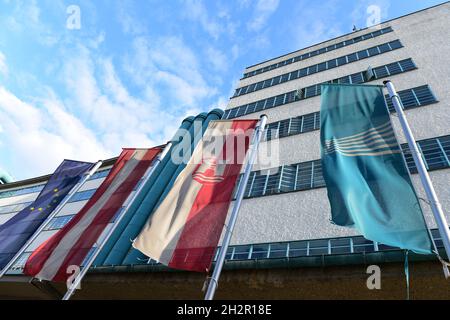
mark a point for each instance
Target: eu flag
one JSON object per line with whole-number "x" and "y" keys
{"x": 17, "y": 230}
{"x": 368, "y": 184}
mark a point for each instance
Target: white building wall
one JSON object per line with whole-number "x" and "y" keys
{"x": 306, "y": 214}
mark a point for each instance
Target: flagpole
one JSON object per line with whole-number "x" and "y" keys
{"x": 436, "y": 207}
{"x": 214, "y": 280}
{"x": 51, "y": 216}
{"x": 80, "y": 276}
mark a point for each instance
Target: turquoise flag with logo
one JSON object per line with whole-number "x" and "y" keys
{"x": 368, "y": 184}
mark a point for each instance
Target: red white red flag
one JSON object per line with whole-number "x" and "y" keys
{"x": 70, "y": 245}
{"x": 184, "y": 231}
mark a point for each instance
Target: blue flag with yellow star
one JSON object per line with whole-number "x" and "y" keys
{"x": 15, "y": 232}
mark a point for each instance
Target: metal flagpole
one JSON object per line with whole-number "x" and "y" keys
{"x": 79, "y": 277}
{"x": 213, "y": 282}
{"x": 51, "y": 216}
{"x": 424, "y": 177}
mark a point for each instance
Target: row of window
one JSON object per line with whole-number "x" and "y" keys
{"x": 314, "y": 53}
{"x": 308, "y": 248}
{"x": 79, "y": 196}
{"x": 59, "y": 222}
{"x": 308, "y": 175}
{"x": 330, "y": 64}
{"x": 38, "y": 188}
{"x": 411, "y": 98}
{"x": 314, "y": 90}
{"x": 291, "y": 249}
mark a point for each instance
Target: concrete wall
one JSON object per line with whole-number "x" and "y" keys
{"x": 306, "y": 214}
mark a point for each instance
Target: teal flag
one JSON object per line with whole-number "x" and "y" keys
{"x": 368, "y": 184}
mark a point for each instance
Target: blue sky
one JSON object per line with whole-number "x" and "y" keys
{"x": 135, "y": 69}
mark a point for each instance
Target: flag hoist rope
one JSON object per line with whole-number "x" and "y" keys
{"x": 79, "y": 277}
{"x": 213, "y": 281}
{"x": 435, "y": 205}
{"x": 51, "y": 216}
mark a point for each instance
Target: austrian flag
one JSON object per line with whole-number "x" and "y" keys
{"x": 184, "y": 231}
{"x": 71, "y": 245}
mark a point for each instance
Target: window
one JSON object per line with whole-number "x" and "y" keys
{"x": 321, "y": 66}
{"x": 266, "y": 83}
{"x": 284, "y": 78}
{"x": 58, "y": 222}
{"x": 269, "y": 102}
{"x": 352, "y": 57}
{"x": 373, "y": 51}
{"x": 83, "y": 195}
{"x": 433, "y": 152}
{"x": 241, "y": 253}
{"x": 395, "y": 44}
{"x": 278, "y": 250}
{"x": 303, "y": 72}
{"x": 260, "y": 251}
{"x": 99, "y": 174}
{"x": 363, "y": 54}
{"x": 260, "y": 105}
{"x": 321, "y": 51}
{"x": 341, "y": 61}
{"x": 17, "y": 192}
{"x": 294, "y": 75}
{"x": 318, "y": 247}
{"x": 381, "y": 72}
{"x": 298, "y": 249}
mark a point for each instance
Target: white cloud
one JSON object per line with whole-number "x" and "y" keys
{"x": 126, "y": 14}
{"x": 42, "y": 136}
{"x": 263, "y": 10}
{"x": 195, "y": 10}
{"x": 313, "y": 28}
{"x": 171, "y": 68}
{"x": 217, "y": 59}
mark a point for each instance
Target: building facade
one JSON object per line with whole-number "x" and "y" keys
{"x": 283, "y": 236}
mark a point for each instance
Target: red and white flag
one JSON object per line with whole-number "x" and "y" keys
{"x": 184, "y": 231}
{"x": 70, "y": 245}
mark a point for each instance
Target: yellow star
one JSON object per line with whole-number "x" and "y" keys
{"x": 32, "y": 208}
{"x": 55, "y": 190}
{"x": 40, "y": 209}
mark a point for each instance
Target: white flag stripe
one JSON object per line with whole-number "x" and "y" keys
{"x": 372, "y": 144}
{"x": 385, "y": 131}
{"x": 377, "y": 153}
{"x": 380, "y": 128}
{"x": 56, "y": 259}
{"x": 362, "y": 149}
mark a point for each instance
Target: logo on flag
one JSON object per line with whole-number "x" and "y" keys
{"x": 207, "y": 172}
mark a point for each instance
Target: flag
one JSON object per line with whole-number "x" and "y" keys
{"x": 369, "y": 187}
{"x": 184, "y": 230}
{"x": 15, "y": 232}
{"x": 70, "y": 245}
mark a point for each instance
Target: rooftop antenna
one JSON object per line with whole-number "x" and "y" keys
{"x": 355, "y": 28}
